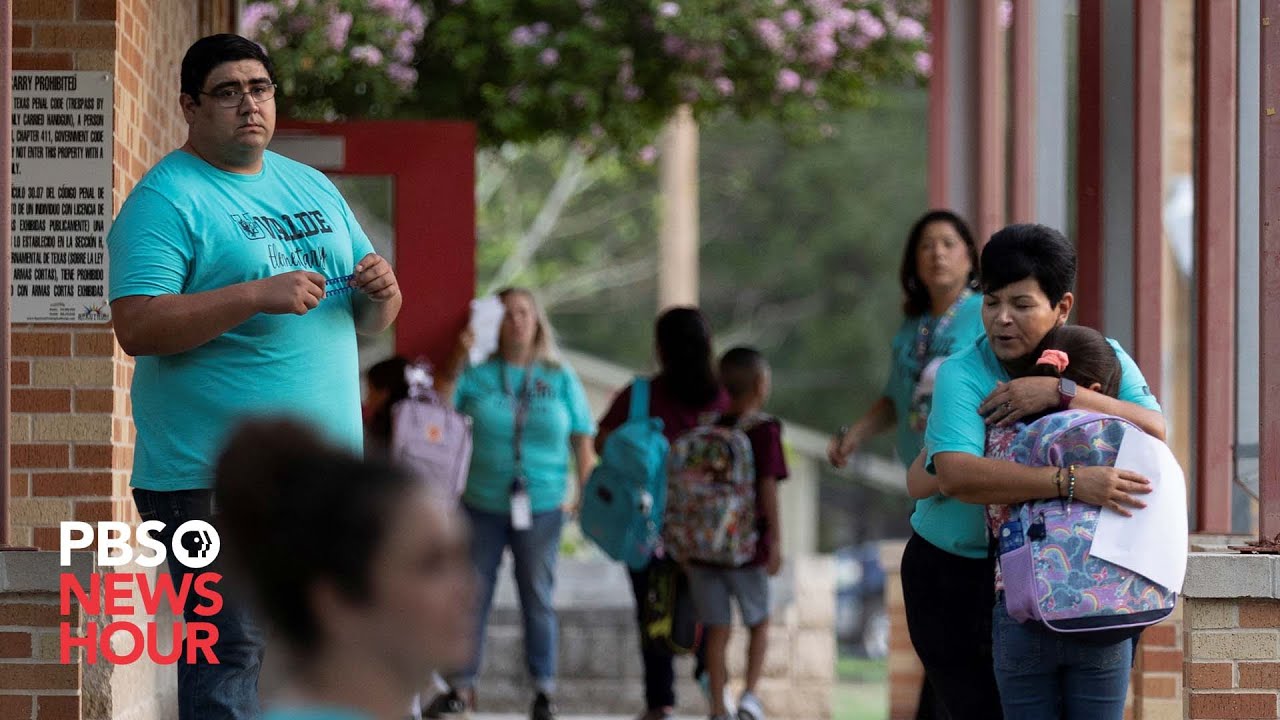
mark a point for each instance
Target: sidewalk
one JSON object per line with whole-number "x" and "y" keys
{"x": 524, "y": 716}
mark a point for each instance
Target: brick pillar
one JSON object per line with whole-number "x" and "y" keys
{"x": 1233, "y": 636}
{"x": 906, "y": 674}
{"x": 34, "y": 685}
{"x": 1156, "y": 682}
{"x": 72, "y": 429}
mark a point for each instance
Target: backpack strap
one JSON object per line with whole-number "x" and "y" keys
{"x": 639, "y": 399}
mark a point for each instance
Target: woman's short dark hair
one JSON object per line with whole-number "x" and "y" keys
{"x": 209, "y": 52}
{"x": 294, "y": 511}
{"x": 1090, "y": 358}
{"x": 1018, "y": 252}
{"x": 684, "y": 350}
{"x": 918, "y": 301}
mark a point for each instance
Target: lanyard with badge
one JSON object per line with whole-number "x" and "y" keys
{"x": 521, "y": 507}
{"x": 926, "y": 361}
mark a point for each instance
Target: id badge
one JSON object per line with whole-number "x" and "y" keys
{"x": 521, "y": 507}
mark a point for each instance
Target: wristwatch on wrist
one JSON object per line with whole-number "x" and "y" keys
{"x": 1066, "y": 393}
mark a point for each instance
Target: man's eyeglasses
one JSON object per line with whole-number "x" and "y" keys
{"x": 229, "y": 97}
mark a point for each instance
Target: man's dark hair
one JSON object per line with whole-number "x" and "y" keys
{"x": 1026, "y": 251}
{"x": 295, "y": 511}
{"x": 209, "y": 52}
{"x": 740, "y": 370}
{"x": 918, "y": 300}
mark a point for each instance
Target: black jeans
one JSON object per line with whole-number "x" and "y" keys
{"x": 659, "y": 661}
{"x": 948, "y": 601}
{"x": 227, "y": 690}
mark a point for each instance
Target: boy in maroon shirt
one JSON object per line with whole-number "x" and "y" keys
{"x": 745, "y": 375}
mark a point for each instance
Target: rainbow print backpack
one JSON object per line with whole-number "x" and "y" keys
{"x": 1049, "y": 574}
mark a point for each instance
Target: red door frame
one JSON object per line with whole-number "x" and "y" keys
{"x": 433, "y": 166}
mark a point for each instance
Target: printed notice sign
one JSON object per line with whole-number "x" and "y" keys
{"x": 61, "y": 197}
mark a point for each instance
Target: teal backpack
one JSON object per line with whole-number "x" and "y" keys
{"x": 625, "y": 498}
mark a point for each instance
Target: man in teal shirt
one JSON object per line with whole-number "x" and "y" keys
{"x": 239, "y": 280}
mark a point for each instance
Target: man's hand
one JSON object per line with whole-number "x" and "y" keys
{"x": 295, "y": 293}
{"x": 375, "y": 278}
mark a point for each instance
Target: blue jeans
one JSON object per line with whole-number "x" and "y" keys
{"x": 1045, "y": 675}
{"x": 535, "y": 552}
{"x": 229, "y": 689}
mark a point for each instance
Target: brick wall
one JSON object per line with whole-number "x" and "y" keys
{"x": 1155, "y": 686}
{"x": 72, "y": 432}
{"x": 1234, "y": 667}
{"x": 33, "y": 684}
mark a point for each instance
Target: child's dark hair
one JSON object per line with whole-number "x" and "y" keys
{"x": 387, "y": 375}
{"x": 209, "y": 52}
{"x": 684, "y": 350}
{"x": 293, "y": 511}
{"x": 1018, "y": 252}
{"x": 741, "y": 369}
{"x": 1090, "y": 358}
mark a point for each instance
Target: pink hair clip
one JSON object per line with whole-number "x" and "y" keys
{"x": 1056, "y": 358}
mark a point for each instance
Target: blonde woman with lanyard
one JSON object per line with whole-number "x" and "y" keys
{"x": 943, "y": 315}
{"x": 529, "y": 411}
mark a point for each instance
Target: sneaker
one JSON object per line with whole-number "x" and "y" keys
{"x": 749, "y": 707}
{"x": 665, "y": 713}
{"x": 543, "y": 708}
{"x": 449, "y": 705}
{"x": 704, "y": 683}
{"x": 721, "y": 717}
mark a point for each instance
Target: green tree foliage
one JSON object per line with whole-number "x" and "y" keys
{"x": 800, "y": 250}
{"x": 604, "y": 74}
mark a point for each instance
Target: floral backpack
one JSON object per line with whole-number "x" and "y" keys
{"x": 1049, "y": 574}
{"x": 711, "y": 495}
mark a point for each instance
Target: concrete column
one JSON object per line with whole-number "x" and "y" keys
{"x": 1248, "y": 150}
{"x": 1050, "y": 113}
{"x": 678, "y": 241}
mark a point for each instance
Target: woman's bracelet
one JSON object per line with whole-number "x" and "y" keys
{"x": 1057, "y": 481}
{"x": 1071, "y": 485}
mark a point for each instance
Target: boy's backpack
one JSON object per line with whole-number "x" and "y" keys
{"x": 711, "y": 500}
{"x": 1049, "y": 574}
{"x": 622, "y": 504}
{"x": 430, "y": 438}
{"x": 668, "y": 616}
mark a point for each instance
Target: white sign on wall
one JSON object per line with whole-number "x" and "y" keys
{"x": 61, "y": 196}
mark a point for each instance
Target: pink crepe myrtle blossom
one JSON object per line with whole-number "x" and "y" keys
{"x": 339, "y": 29}
{"x": 366, "y": 54}
{"x": 788, "y": 80}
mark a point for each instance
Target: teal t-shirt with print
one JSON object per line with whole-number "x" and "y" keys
{"x": 905, "y": 368}
{"x": 964, "y": 381}
{"x": 557, "y": 410}
{"x": 189, "y": 227}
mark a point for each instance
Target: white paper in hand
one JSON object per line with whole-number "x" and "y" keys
{"x": 1152, "y": 543}
{"x": 486, "y": 321}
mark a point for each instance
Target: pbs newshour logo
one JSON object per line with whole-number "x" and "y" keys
{"x": 195, "y": 545}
